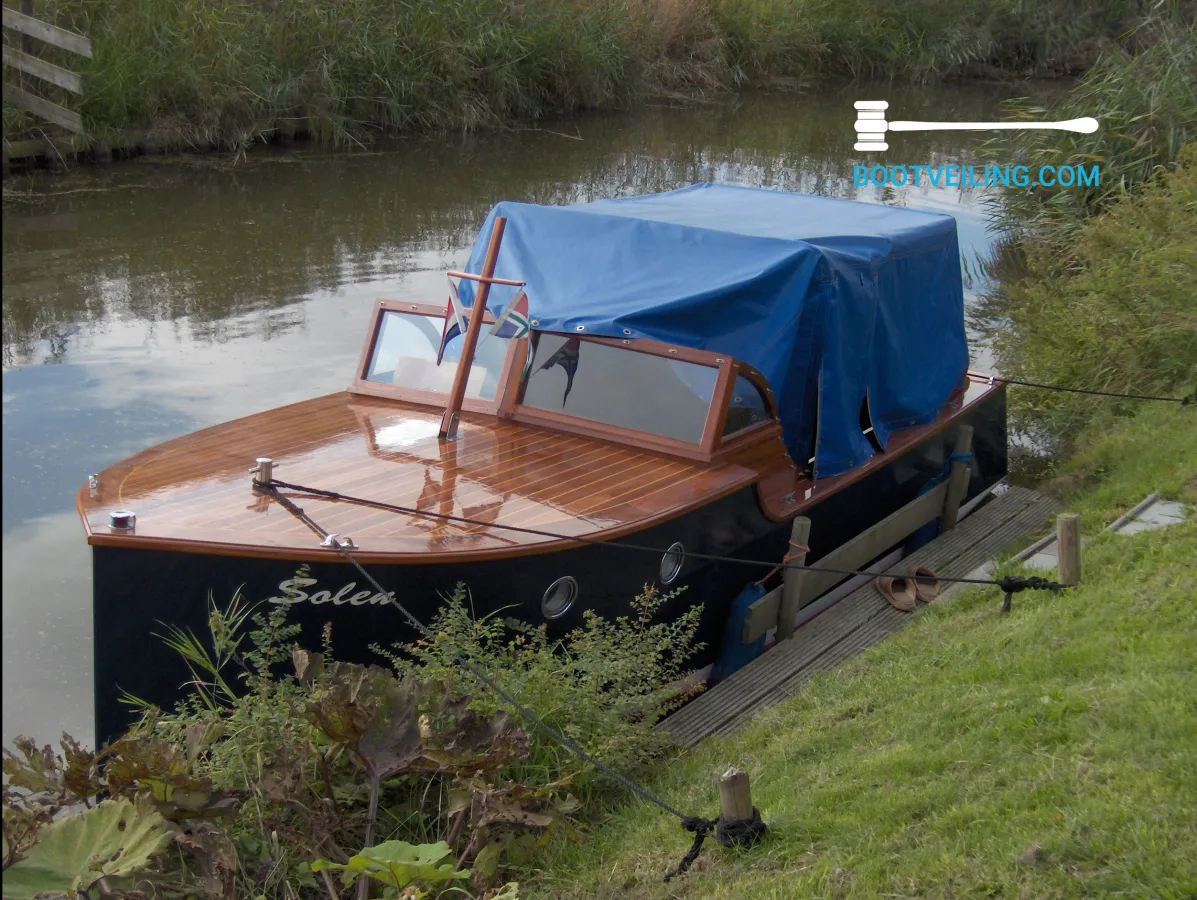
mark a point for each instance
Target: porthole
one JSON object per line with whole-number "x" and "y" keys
{"x": 671, "y": 563}
{"x": 559, "y": 598}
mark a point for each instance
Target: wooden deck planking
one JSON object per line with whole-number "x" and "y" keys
{"x": 854, "y": 623}
{"x": 879, "y": 619}
{"x": 196, "y": 490}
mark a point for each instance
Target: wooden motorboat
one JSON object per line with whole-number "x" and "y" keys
{"x": 682, "y": 372}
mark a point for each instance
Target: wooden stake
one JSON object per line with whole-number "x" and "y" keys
{"x": 791, "y": 581}
{"x": 1068, "y": 543}
{"x": 477, "y": 313}
{"x": 735, "y": 796}
{"x": 957, "y": 478}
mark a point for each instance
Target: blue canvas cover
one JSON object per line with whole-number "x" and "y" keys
{"x": 832, "y": 300}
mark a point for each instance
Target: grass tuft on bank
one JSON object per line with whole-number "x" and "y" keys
{"x": 229, "y": 72}
{"x": 1048, "y": 753}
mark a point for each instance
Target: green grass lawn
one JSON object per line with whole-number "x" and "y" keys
{"x": 1048, "y": 753}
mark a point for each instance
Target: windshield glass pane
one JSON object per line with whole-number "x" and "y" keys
{"x": 620, "y": 387}
{"x": 747, "y": 407}
{"x": 405, "y": 355}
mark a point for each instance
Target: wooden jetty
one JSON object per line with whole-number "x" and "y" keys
{"x": 856, "y": 621}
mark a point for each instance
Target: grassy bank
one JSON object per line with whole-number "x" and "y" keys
{"x": 1050, "y": 753}
{"x": 231, "y": 71}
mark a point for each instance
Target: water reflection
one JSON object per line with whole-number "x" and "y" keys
{"x": 169, "y": 297}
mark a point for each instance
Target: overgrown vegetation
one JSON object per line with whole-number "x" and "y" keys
{"x": 1049, "y": 753}
{"x": 1112, "y": 308}
{"x": 1096, "y": 284}
{"x": 197, "y": 72}
{"x": 303, "y": 783}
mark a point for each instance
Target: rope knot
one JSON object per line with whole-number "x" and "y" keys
{"x": 698, "y": 825}
{"x": 1012, "y": 584}
{"x": 701, "y": 828}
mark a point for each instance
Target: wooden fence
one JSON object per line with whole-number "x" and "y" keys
{"x": 26, "y": 60}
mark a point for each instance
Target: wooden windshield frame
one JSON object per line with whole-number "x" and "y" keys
{"x": 361, "y": 385}
{"x": 709, "y": 446}
{"x": 713, "y": 445}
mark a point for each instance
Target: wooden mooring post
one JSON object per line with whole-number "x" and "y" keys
{"x": 958, "y": 476}
{"x": 735, "y": 796}
{"x": 791, "y": 579}
{"x": 1068, "y": 545}
{"x": 740, "y": 824}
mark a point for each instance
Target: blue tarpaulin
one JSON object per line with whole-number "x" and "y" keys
{"x": 832, "y": 300}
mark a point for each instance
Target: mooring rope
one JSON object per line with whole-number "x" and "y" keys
{"x": 1187, "y": 400}
{"x": 1011, "y": 584}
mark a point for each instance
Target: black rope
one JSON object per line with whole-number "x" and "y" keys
{"x": 743, "y": 833}
{"x": 529, "y": 715}
{"x": 621, "y": 545}
{"x": 1012, "y": 584}
{"x": 1183, "y": 401}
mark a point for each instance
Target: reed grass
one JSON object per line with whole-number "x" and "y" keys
{"x": 1144, "y": 93}
{"x": 1094, "y": 283}
{"x": 1110, "y": 309}
{"x": 233, "y": 71}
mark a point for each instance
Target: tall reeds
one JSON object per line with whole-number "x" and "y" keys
{"x": 1095, "y": 283}
{"x": 231, "y": 71}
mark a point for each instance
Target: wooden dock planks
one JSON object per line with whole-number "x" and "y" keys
{"x": 856, "y": 622}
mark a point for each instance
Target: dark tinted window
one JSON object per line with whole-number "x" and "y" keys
{"x": 747, "y": 407}
{"x": 622, "y": 387}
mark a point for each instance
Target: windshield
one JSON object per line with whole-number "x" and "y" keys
{"x": 622, "y": 387}
{"x": 405, "y": 355}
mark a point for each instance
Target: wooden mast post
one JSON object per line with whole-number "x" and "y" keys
{"x": 477, "y": 314}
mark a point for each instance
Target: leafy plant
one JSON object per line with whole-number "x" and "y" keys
{"x": 398, "y": 864}
{"x": 259, "y": 772}
{"x": 74, "y": 854}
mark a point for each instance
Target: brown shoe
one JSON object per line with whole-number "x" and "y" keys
{"x": 898, "y": 590}
{"x": 926, "y": 583}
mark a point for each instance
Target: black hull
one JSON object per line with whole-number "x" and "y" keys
{"x": 135, "y": 591}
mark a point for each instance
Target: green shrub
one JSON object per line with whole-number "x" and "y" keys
{"x": 1111, "y": 309}
{"x": 272, "y": 781}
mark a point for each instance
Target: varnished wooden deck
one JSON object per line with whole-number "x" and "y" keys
{"x": 854, "y": 623}
{"x": 194, "y": 493}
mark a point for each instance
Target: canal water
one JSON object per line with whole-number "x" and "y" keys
{"x": 156, "y": 297}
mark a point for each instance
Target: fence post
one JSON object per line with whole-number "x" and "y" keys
{"x": 1068, "y": 544}
{"x": 957, "y": 478}
{"x": 791, "y": 580}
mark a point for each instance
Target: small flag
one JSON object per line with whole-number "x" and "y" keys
{"x": 567, "y": 358}
{"x": 513, "y": 322}
{"x": 456, "y": 321}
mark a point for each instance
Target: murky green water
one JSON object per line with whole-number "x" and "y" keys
{"x": 153, "y": 299}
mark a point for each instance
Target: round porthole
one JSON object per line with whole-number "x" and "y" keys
{"x": 671, "y": 563}
{"x": 560, "y": 596}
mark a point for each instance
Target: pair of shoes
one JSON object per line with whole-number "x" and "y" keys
{"x": 919, "y": 585}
